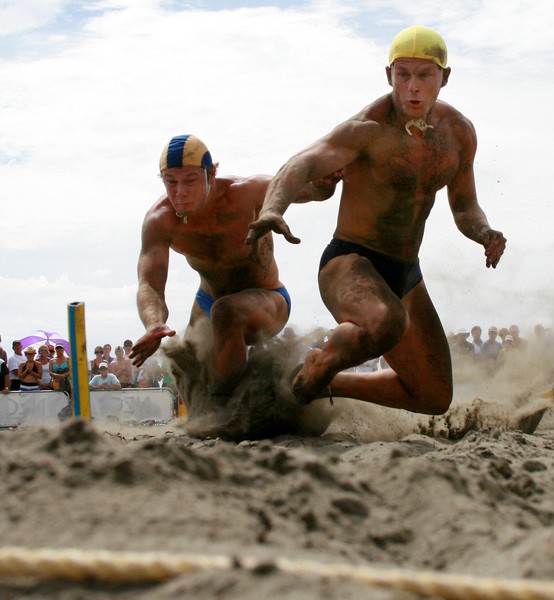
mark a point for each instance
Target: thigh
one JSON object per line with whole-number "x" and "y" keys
{"x": 353, "y": 290}
{"x": 422, "y": 358}
{"x": 254, "y": 311}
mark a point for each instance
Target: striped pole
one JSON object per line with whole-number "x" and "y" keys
{"x": 79, "y": 365}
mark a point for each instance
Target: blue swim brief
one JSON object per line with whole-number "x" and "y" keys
{"x": 400, "y": 276}
{"x": 206, "y": 301}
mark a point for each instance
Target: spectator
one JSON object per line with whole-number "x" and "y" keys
{"x": 4, "y": 376}
{"x": 503, "y": 332}
{"x": 509, "y": 351}
{"x": 519, "y": 342}
{"x": 122, "y": 368}
{"x": 476, "y": 341}
{"x": 30, "y": 371}
{"x": 95, "y": 362}
{"x": 3, "y": 353}
{"x": 150, "y": 374}
{"x": 369, "y": 366}
{"x": 51, "y": 351}
{"x": 491, "y": 347}
{"x": 45, "y": 382}
{"x": 104, "y": 381}
{"x": 127, "y": 347}
{"x": 107, "y": 356}
{"x": 13, "y": 365}
{"x": 461, "y": 346}
{"x": 59, "y": 369}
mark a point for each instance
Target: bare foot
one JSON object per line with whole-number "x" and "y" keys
{"x": 310, "y": 384}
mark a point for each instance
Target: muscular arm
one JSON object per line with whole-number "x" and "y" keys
{"x": 152, "y": 269}
{"x": 469, "y": 217}
{"x": 328, "y": 155}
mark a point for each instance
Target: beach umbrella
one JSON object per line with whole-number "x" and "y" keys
{"x": 42, "y": 336}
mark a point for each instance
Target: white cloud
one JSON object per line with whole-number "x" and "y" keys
{"x": 83, "y": 122}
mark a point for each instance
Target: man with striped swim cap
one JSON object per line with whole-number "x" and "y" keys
{"x": 397, "y": 152}
{"x": 205, "y": 218}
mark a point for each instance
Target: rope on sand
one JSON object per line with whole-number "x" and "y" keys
{"x": 134, "y": 568}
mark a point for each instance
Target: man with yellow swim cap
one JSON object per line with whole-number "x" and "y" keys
{"x": 205, "y": 218}
{"x": 397, "y": 153}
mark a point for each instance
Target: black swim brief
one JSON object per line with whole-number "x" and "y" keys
{"x": 400, "y": 276}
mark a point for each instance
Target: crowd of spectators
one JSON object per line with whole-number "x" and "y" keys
{"x": 468, "y": 347}
{"x": 504, "y": 345}
{"x": 23, "y": 370}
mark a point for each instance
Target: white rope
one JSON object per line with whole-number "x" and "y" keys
{"x": 133, "y": 567}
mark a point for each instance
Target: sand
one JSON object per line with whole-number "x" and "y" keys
{"x": 471, "y": 493}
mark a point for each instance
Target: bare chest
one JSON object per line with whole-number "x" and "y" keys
{"x": 417, "y": 167}
{"x": 215, "y": 239}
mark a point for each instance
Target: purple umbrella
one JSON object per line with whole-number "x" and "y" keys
{"x": 45, "y": 337}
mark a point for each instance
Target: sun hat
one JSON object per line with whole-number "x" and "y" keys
{"x": 59, "y": 345}
{"x": 103, "y": 365}
{"x": 421, "y": 42}
{"x": 185, "y": 151}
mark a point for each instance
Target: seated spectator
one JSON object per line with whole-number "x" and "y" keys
{"x": 122, "y": 368}
{"x": 30, "y": 371}
{"x": 104, "y": 381}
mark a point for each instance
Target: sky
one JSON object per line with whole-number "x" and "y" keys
{"x": 92, "y": 91}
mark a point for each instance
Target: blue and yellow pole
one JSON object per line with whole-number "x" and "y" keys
{"x": 79, "y": 363}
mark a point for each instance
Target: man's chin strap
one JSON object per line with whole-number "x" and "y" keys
{"x": 208, "y": 186}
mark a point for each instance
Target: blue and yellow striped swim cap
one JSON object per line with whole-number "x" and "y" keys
{"x": 185, "y": 151}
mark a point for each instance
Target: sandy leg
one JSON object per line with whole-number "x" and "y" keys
{"x": 313, "y": 379}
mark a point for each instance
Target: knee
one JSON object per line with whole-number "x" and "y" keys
{"x": 386, "y": 328}
{"x": 226, "y": 315}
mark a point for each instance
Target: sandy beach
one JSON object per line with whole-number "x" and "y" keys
{"x": 469, "y": 493}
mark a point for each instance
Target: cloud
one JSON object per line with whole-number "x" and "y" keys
{"x": 83, "y": 121}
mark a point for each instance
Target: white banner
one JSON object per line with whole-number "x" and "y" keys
{"x": 128, "y": 405}
{"x": 31, "y": 408}
{"x": 133, "y": 404}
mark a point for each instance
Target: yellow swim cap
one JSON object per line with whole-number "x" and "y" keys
{"x": 184, "y": 151}
{"x": 419, "y": 42}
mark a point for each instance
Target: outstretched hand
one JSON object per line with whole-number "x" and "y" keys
{"x": 149, "y": 343}
{"x": 270, "y": 222}
{"x": 495, "y": 244}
